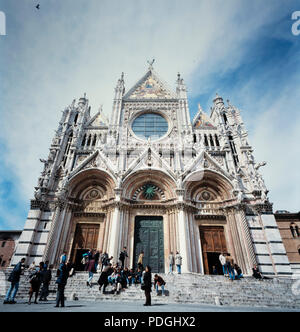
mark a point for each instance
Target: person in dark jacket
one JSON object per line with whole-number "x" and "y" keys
{"x": 36, "y": 280}
{"x": 46, "y": 278}
{"x": 14, "y": 279}
{"x": 61, "y": 281}
{"x": 147, "y": 285}
{"x": 103, "y": 279}
{"x": 123, "y": 255}
{"x": 91, "y": 268}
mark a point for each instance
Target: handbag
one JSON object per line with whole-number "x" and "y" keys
{"x": 143, "y": 286}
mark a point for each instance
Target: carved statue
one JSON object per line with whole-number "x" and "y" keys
{"x": 259, "y": 165}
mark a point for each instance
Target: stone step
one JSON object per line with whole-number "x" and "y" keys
{"x": 188, "y": 288}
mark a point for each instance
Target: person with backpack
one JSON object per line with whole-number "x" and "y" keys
{"x": 122, "y": 257}
{"x": 14, "y": 279}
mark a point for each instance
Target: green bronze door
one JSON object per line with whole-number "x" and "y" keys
{"x": 149, "y": 237}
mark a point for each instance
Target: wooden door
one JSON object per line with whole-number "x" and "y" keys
{"x": 213, "y": 243}
{"x": 86, "y": 237}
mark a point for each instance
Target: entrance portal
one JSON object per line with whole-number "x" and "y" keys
{"x": 149, "y": 237}
{"x": 213, "y": 244}
{"x": 86, "y": 237}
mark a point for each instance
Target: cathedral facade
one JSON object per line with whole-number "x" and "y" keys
{"x": 154, "y": 180}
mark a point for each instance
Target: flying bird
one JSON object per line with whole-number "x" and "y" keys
{"x": 37, "y": 6}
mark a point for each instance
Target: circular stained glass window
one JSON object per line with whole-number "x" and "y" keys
{"x": 150, "y": 125}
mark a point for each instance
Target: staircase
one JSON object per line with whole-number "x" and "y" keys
{"x": 184, "y": 288}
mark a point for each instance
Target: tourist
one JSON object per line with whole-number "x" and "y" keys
{"x": 71, "y": 268}
{"x": 238, "y": 271}
{"x": 118, "y": 281}
{"x": 228, "y": 264}
{"x": 63, "y": 258}
{"x": 106, "y": 260}
{"x": 257, "y": 274}
{"x": 14, "y": 279}
{"x": 96, "y": 257}
{"x": 178, "y": 262}
{"x": 85, "y": 261}
{"x": 46, "y": 264}
{"x": 139, "y": 276}
{"x": 111, "y": 278}
{"x": 36, "y": 279}
{"x": 159, "y": 282}
{"x": 46, "y": 278}
{"x": 91, "y": 268}
{"x": 125, "y": 275}
{"x": 171, "y": 262}
{"x": 122, "y": 257}
{"x": 147, "y": 285}
{"x": 62, "y": 277}
{"x": 222, "y": 260}
{"x": 214, "y": 270}
{"x": 103, "y": 279}
{"x": 140, "y": 260}
{"x": 131, "y": 277}
{"x": 231, "y": 270}
{"x": 32, "y": 267}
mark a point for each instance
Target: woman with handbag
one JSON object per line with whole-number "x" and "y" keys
{"x": 147, "y": 285}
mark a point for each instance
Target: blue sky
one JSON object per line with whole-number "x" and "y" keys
{"x": 245, "y": 51}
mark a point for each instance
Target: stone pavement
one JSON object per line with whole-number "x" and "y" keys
{"x": 116, "y": 306}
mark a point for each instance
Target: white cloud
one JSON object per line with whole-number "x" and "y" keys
{"x": 68, "y": 48}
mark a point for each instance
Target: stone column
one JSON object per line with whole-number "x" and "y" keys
{"x": 59, "y": 206}
{"x": 114, "y": 234}
{"x": 183, "y": 234}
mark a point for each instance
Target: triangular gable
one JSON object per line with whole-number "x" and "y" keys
{"x": 201, "y": 120}
{"x": 149, "y": 159}
{"x": 205, "y": 161}
{"x": 149, "y": 87}
{"x": 96, "y": 160}
{"x": 98, "y": 120}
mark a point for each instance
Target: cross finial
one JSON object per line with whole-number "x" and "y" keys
{"x": 151, "y": 64}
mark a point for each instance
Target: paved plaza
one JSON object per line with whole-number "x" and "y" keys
{"x": 114, "y": 306}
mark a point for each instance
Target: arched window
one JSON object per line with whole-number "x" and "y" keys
{"x": 217, "y": 140}
{"x": 225, "y": 118}
{"x": 76, "y": 118}
{"x": 94, "y": 140}
{"x": 205, "y": 140}
{"x": 89, "y": 140}
{"x": 211, "y": 140}
{"x": 233, "y": 150}
{"x": 84, "y": 140}
{"x": 67, "y": 149}
{"x": 195, "y": 138}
